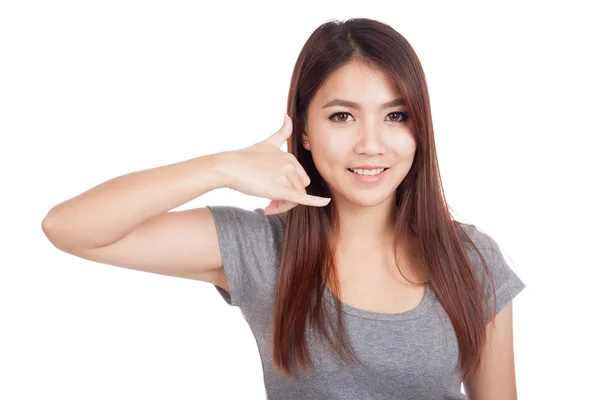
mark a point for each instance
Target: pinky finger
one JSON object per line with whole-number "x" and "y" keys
{"x": 279, "y": 206}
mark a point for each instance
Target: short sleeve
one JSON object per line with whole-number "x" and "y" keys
{"x": 507, "y": 283}
{"x": 249, "y": 242}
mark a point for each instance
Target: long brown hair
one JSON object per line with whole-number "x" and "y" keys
{"x": 308, "y": 255}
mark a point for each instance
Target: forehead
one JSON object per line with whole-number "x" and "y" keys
{"x": 360, "y": 83}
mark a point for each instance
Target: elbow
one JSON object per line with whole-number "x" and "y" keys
{"x": 51, "y": 228}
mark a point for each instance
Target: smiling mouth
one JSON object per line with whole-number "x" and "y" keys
{"x": 367, "y": 172}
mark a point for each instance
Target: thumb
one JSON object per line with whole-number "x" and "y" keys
{"x": 280, "y": 137}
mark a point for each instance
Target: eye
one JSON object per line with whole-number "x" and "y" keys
{"x": 398, "y": 116}
{"x": 343, "y": 117}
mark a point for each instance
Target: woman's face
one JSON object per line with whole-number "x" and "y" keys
{"x": 355, "y": 127}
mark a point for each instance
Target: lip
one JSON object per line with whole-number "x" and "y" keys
{"x": 369, "y": 167}
{"x": 369, "y": 179}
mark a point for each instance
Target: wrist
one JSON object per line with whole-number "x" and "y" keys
{"x": 221, "y": 166}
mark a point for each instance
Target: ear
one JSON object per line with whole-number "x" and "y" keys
{"x": 305, "y": 141}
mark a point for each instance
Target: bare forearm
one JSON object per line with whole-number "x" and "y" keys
{"x": 109, "y": 211}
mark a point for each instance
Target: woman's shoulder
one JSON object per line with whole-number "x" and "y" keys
{"x": 480, "y": 238}
{"x": 250, "y": 243}
{"x": 505, "y": 283}
{"x": 492, "y": 254}
{"x": 234, "y": 221}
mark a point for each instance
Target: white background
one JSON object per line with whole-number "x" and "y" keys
{"x": 93, "y": 90}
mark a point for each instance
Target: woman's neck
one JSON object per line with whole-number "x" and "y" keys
{"x": 365, "y": 225}
{"x": 367, "y": 235}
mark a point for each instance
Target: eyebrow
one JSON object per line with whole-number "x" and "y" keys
{"x": 350, "y": 104}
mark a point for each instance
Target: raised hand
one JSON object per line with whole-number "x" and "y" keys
{"x": 264, "y": 170}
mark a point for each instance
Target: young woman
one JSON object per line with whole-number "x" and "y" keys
{"x": 356, "y": 281}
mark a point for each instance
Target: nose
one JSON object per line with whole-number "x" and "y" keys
{"x": 370, "y": 140}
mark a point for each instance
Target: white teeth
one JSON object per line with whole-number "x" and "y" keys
{"x": 367, "y": 171}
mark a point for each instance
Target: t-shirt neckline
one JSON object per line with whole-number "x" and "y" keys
{"x": 416, "y": 312}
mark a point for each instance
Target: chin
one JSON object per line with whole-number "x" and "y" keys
{"x": 368, "y": 198}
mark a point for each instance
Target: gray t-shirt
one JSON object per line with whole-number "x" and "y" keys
{"x": 410, "y": 355}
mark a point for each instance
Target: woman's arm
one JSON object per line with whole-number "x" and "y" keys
{"x": 126, "y": 222}
{"x": 495, "y": 379}
{"x": 109, "y": 211}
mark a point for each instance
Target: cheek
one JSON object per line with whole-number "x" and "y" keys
{"x": 405, "y": 146}
{"x": 327, "y": 151}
